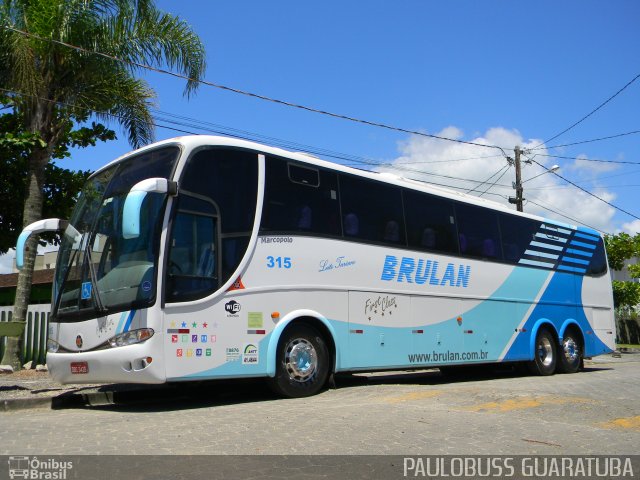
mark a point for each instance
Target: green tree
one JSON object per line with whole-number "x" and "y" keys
{"x": 61, "y": 186}
{"x": 620, "y": 248}
{"x": 54, "y": 87}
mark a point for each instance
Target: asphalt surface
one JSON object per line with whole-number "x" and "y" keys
{"x": 31, "y": 389}
{"x": 365, "y": 427}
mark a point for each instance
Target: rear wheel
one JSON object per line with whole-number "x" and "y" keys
{"x": 544, "y": 361}
{"x": 570, "y": 356}
{"x": 302, "y": 363}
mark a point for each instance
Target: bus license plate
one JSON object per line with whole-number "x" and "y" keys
{"x": 79, "y": 367}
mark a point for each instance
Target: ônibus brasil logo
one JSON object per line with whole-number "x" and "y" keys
{"x": 27, "y": 467}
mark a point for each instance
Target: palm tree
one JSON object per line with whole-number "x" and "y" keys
{"x": 54, "y": 86}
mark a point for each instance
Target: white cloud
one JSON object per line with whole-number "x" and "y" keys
{"x": 448, "y": 163}
{"x": 6, "y": 262}
{"x": 632, "y": 228}
{"x": 585, "y": 167}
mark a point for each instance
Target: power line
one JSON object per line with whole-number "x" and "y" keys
{"x": 492, "y": 175}
{"x": 593, "y": 180}
{"x": 591, "y": 159}
{"x": 247, "y": 93}
{"x": 428, "y": 162}
{"x": 496, "y": 182}
{"x": 592, "y": 111}
{"x": 307, "y": 149}
{"x": 564, "y": 215}
{"x": 587, "y": 191}
{"x": 634, "y": 132}
{"x": 369, "y": 163}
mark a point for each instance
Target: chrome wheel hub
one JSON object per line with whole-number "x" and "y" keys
{"x": 570, "y": 348}
{"x": 545, "y": 351}
{"x": 301, "y": 360}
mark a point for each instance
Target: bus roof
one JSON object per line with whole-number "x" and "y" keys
{"x": 192, "y": 141}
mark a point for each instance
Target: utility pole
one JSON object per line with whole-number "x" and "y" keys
{"x": 518, "y": 183}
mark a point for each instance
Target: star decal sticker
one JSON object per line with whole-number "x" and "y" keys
{"x": 184, "y": 324}
{"x": 173, "y": 324}
{"x": 194, "y": 324}
{"x": 204, "y": 325}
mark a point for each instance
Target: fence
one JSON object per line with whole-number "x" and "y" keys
{"x": 628, "y": 330}
{"x": 34, "y": 347}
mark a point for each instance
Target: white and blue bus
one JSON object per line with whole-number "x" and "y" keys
{"x": 207, "y": 257}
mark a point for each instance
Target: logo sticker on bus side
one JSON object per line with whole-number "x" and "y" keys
{"x": 421, "y": 271}
{"x": 340, "y": 262}
{"x": 250, "y": 354}
{"x": 232, "y": 308}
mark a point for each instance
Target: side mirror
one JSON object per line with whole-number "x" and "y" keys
{"x": 135, "y": 197}
{"x": 46, "y": 225}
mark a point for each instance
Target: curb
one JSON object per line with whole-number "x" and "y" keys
{"x": 94, "y": 399}
{"x": 13, "y": 404}
{"x": 59, "y": 402}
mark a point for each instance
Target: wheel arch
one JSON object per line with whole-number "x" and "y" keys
{"x": 302, "y": 317}
{"x": 571, "y": 325}
{"x": 540, "y": 324}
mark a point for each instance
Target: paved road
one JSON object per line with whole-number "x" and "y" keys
{"x": 594, "y": 412}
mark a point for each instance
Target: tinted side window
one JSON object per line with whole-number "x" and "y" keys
{"x": 430, "y": 222}
{"x": 213, "y": 221}
{"x": 230, "y": 179}
{"x": 598, "y": 264}
{"x": 517, "y": 235}
{"x": 300, "y": 199}
{"x": 371, "y": 210}
{"x": 478, "y": 232}
{"x": 193, "y": 270}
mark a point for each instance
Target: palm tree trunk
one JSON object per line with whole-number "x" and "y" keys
{"x": 32, "y": 213}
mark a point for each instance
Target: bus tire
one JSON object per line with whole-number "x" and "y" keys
{"x": 545, "y": 354}
{"x": 302, "y": 363}
{"x": 570, "y": 353}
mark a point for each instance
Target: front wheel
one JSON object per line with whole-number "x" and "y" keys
{"x": 544, "y": 361}
{"x": 570, "y": 357}
{"x": 302, "y": 363}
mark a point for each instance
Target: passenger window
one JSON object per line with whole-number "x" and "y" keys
{"x": 230, "y": 179}
{"x": 212, "y": 223}
{"x": 430, "y": 222}
{"x": 193, "y": 268}
{"x": 517, "y": 235}
{"x": 372, "y": 211}
{"x": 478, "y": 232}
{"x": 304, "y": 175}
{"x": 300, "y": 199}
{"x": 598, "y": 265}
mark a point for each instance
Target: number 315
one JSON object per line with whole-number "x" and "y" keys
{"x": 278, "y": 262}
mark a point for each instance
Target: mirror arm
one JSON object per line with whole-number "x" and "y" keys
{"x": 41, "y": 226}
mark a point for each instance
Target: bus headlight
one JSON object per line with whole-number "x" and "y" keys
{"x": 52, "y": 346}
{"x": 131, "y": 337}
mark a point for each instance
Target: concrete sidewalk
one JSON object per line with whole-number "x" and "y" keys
{"x": 30, "y": 389}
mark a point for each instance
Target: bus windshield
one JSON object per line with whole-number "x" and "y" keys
{"x": 98, "y": 270}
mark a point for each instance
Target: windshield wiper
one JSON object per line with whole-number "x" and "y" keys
{"x": 99, "y": 306}
{"x": 65, "y": 276}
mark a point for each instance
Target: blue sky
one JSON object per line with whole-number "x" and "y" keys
{"x": 495, "y": 72}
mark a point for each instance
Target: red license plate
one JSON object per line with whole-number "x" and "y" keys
{"x": 79, "y": 367}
